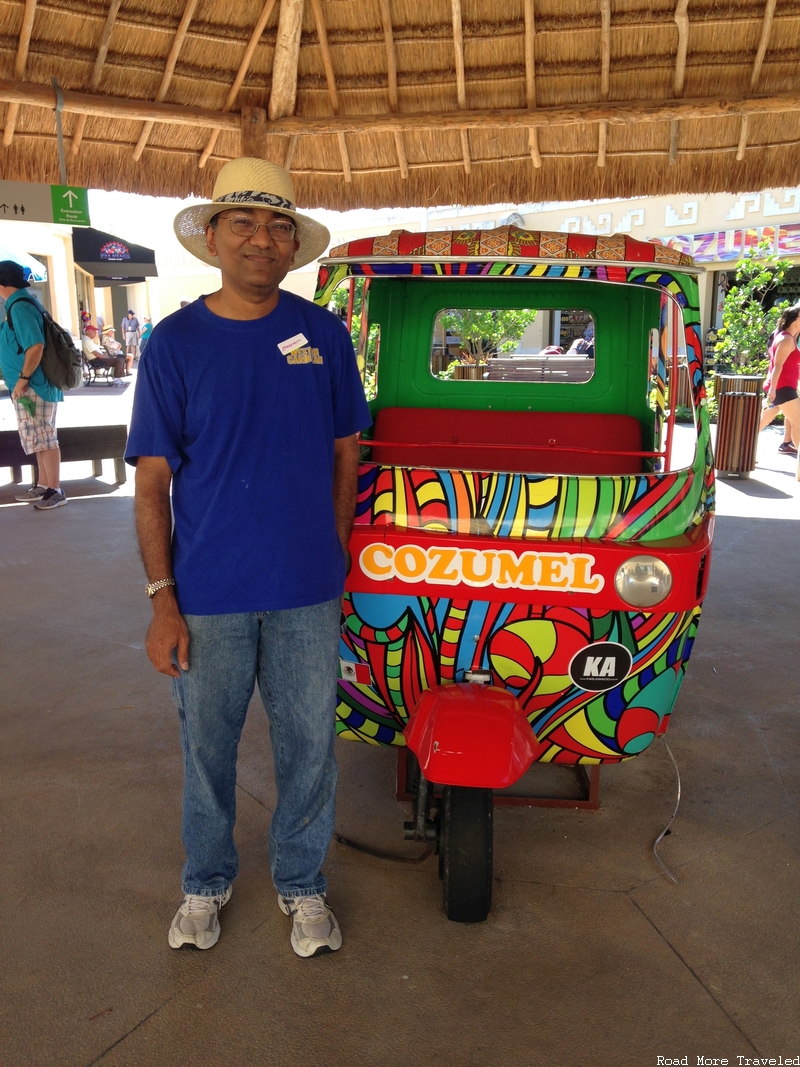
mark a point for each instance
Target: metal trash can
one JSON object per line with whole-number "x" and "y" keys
{"x": 739, "y": 398}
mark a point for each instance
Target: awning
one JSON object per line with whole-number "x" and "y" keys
{"x": 33, "y": 270}
{"x": 110, "y": 259}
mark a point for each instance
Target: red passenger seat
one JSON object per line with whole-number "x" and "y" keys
{"x": 458, "y": 438}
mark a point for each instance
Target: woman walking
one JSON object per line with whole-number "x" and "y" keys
{"x": 783, "y": 380}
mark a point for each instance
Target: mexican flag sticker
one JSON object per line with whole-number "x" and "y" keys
{"x": 355, "y": 672}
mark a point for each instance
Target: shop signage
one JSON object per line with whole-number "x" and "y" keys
{"x": 729, "y": 245}
{"x": 31, "y": 202}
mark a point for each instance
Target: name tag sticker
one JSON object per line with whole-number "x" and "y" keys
{"x": 292, "y": 343}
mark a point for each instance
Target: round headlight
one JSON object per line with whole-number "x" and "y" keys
{"x": 643, "y": 581}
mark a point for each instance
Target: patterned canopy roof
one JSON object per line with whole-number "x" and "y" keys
{"x": 505, "y": 241}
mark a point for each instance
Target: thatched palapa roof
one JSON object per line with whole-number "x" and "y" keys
{"x": 374, "y": 103}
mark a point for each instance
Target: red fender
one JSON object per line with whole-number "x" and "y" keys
{"x": 473, "y": 735}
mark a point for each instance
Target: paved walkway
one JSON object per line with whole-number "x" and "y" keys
{"x": 591, "y": 956}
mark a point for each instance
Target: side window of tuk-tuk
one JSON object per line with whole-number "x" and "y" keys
{"x": 350, "y": 302}
{"x": 669, "y": 390}
{"x": 513, "y": 344}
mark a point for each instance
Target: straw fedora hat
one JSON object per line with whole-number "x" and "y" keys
{"x": 250, "y": 182}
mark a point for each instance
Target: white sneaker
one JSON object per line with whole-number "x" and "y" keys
{"x": 315, "y": 930}
{"x": 196, "y": 921}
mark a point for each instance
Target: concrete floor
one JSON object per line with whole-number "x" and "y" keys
{"x": 590, "y": 955}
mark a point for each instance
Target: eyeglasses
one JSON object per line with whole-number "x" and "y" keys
{"x": 246, "y": 226}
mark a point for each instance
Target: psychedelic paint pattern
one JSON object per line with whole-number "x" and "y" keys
{"x": 410, "y": 644}
{"x": 637, "y": 507}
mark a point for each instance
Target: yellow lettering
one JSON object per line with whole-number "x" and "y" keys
{"x": 468, "y": 559}
{"x": 552, "y": 574}
{"x": 582, "y": 580}
{"x": 410, "y": 562}
{"x": 441, "y": 564}
{"x": 370, "y": 561}
{"x": 516, "y": 571}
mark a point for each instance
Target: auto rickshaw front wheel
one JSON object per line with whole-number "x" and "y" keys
{"x": 465, "y": 852}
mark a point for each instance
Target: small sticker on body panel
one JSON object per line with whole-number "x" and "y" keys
{"x": 355, "y": 672}
{"x": 291, "y": 343}
{"x": 600, "y": 666}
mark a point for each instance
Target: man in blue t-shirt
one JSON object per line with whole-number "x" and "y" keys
{"x": 248, "y": 405}
{"x": 35, "y": 398}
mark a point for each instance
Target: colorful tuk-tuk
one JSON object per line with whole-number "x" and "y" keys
{"x": 533, "y": 531}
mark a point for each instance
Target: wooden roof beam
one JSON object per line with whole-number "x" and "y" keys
{"x": 283, "y": 96}
{"x": 530, "y": 79}
{"x": 766, "y": 27}
{"x": 169, "y": 70}
{"x": 23, "y": 45}
{"x": 97, "y": 71}
{"x": 391, "y": 77}
{"x": 617, "y": 113}
{"x": 461, "y": 84}
{"x": 241, "y": 74}
{"x": 330, "y": 77}
{"x": 681, "y": 17}
{"x": 605, "y": 75}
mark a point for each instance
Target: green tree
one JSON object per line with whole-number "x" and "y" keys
{"x": 743, "y": 338}
{"x": 484, "y": 332}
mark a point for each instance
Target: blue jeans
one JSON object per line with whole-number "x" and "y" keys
{"x": 293, "y": 655}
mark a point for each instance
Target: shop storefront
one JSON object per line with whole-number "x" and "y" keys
{"x": 111, "y": 275}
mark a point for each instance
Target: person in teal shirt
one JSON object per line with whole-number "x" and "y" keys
{"x": 35, "y": 399}
{"x": 147, "y": 329}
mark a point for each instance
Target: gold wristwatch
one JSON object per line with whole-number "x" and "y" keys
{"x": 154, "y": 587}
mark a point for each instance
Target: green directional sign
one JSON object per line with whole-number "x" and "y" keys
{"x": 70, "y": 205}
{"x": 32, "y": 202}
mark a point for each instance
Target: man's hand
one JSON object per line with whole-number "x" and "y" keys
{"x": 20, "y": 389}
{"x": 167, "y": 633}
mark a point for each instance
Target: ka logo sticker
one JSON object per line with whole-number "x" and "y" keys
{"x": 601, "y": 666}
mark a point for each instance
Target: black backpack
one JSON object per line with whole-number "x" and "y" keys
{"x": 62, "y": 363}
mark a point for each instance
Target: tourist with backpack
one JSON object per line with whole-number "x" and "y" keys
{"x": 35, "y": 398}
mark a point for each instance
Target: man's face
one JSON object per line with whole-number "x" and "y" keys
{"x": 255, "y": 265}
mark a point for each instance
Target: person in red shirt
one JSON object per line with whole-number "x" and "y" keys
{"x": 783, "y": 380}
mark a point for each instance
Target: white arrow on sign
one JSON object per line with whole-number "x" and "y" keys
{"x": 72, "y": 197}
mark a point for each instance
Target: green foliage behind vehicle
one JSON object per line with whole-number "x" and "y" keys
{"x": 746, "y": 328}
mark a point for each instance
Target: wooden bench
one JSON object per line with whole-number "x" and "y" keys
{"x": 539, "y": 369}
{"x": 547, "y": 442}
{"x": 77, "y": 443}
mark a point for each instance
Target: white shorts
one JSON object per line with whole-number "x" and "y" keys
{"x": 132, "y": 340}
{"x": 37, "y": 432}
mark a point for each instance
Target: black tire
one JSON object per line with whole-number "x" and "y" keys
{"x": 466, "y": 853}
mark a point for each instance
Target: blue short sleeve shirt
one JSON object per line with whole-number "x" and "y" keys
{"x": 246, "y": 414}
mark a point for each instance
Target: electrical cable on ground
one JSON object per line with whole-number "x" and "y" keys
{"x": 666, "y": 829}
{"x": 379, "y": 854}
